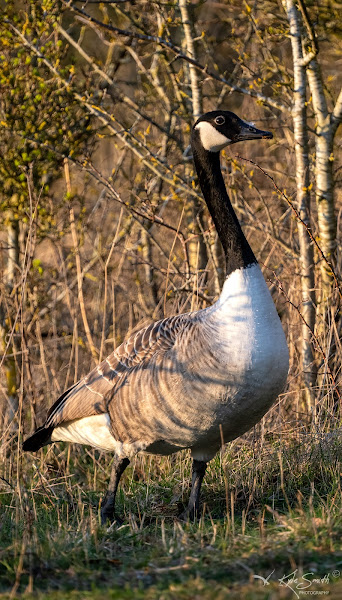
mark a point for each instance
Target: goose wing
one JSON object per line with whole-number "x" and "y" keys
{"x": 90, "y": 396}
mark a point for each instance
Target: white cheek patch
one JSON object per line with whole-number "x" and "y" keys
{"x": 211, "y": 139}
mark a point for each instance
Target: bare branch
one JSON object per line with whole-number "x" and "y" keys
{"x": 180, "y": 55}
{"x": 149, "y": 160}
{"x": 94, "y": 351}
{"x": 309, "y": 28}
{"x": 306, "y": 60}
{"x": 336, "y": 115}
{"x": 290, "y": 203}
{"x": 115, "y": 93}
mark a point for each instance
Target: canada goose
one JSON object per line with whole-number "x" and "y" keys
{"x": 188, "y": 380}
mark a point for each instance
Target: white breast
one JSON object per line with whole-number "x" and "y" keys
{"x": 247, "y": 332}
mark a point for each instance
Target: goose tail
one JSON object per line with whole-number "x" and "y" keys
{"x": 41, "y": 437}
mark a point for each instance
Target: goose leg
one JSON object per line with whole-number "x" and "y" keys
{"x": 108, "y": 503}
{"x": 198, "y": 472}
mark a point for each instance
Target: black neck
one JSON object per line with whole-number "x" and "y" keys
{"x": 237, "y": 250}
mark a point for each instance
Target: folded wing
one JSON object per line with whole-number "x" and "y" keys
{"x": 90, "y": 396}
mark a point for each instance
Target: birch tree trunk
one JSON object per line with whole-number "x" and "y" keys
{"x": 196, "y": 248}
{"x": 324, "y": 142}
{"x": 299, "y": 116}
{"x": 326, "y": 127}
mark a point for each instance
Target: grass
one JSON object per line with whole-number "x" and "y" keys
{"x": 272, "y": 507}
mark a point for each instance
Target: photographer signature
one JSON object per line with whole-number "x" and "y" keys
{"x": 298, "y": 583}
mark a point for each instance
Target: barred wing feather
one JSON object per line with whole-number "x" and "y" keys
{"x": 90, "y": 396}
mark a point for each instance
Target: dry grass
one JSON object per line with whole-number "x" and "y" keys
{"x": 271, "y": 505}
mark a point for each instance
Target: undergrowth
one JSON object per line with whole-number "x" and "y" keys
{"x": 272, "y": 507}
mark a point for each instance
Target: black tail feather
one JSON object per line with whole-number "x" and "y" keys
{"x": 40, "y": 438}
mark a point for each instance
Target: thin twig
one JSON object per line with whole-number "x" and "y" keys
{"x": 290, "y": 203}
{"x": 149, "y": 159}
{"x": 92, "y": 347}
{"x": 314, "y": 337}
{"x": 106, "y": 282}
{"x": 179, "y": 55}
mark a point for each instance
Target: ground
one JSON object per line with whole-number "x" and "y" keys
{"x": 271, "y": 525}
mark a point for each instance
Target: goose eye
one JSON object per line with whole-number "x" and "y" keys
{"x": 220, "y": 120}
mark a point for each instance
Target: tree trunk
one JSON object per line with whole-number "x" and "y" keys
{"x": 148, "y": 266}
{"x": 9, "y": 365}
{"x": 197, "y": 252}
{"x": 324, "y": 177}
{"x": 303, "y": 199}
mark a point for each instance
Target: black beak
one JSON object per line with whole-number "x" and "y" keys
{"x": 248, "y": 132}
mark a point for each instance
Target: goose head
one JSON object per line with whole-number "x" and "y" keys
{"x": 220, "y": 128}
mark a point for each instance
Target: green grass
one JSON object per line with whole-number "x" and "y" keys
{"x": 268, "y": 506}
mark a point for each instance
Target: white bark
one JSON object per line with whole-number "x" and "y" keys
{"x": 324, "y": 174}
{"x": 336, "y": 116}
{"x": 303, "y": 195}
{"x": 196, "y": 248}
{"x": 197, "y": 107}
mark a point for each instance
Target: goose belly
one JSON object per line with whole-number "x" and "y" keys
{"x": 238, "y": 397}
{"x": 224, "y": 394}
{"x": 234, "y": 396}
